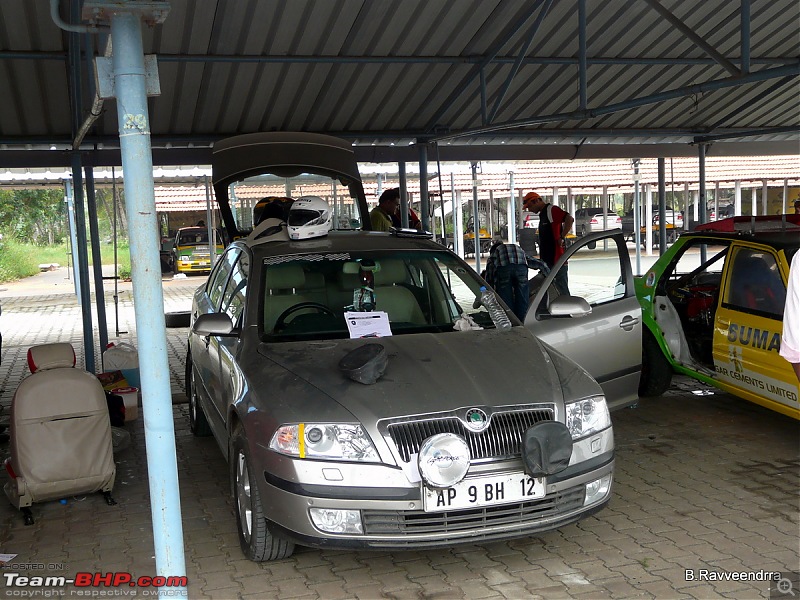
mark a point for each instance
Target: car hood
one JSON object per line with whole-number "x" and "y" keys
{"x": 431, "y": 373}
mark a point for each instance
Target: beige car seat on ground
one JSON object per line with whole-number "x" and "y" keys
{"x": 60, "y": 432}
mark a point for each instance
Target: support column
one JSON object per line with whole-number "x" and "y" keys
{"x": 97, "y": 261}
{"x": 424, "y": 206}
{"x": 648, "y": 240}
{"x": 753, "y": 202}
{"x": 458, "y": 218}
{"x": 701, "y": 160}
{"x": 637, "y": 227}
{"x": 737, "y": 198}
{"x": 476, "y": 217}
{"x": 662, "y": 205}
{"x": 764, "y": 197}
{"x": 785, "y": 202}
{"x": 401, "y": 172}
{"x": 134, "y": 131}
{"x": 686, "y": 206}
{"x": 511, "y": 211}
{"x": 85, "y": 298}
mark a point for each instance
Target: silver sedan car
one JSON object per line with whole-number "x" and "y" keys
{"x": 427, "y": 437}
{"x": 365, "y": 397}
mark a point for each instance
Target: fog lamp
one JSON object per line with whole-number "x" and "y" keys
{"x": 443, "y": 460}
{"x": 597, "y": 490}
{"x": 332, "y": 520}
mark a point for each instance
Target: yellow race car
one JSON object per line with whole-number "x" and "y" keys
{"x": 713, "y": 310}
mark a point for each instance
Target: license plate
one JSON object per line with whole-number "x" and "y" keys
{"x": 489, "y": 490}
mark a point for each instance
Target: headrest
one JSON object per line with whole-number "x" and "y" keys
{"x": 314, "y": 280}
{"x": 51, "y": 356}
{"x": 391, "y": 271}
{"x": 285, "y": 276}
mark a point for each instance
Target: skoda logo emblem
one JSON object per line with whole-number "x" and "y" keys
{"x": 477, "y": 419}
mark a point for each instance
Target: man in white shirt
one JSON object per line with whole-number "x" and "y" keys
{"x": 790, "y": 340}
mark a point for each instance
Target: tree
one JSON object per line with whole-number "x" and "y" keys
{"x": 33, "y": 215}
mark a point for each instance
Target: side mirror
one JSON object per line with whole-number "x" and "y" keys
{"x": 570, "y": 306}
{"x": 213, "y": 324}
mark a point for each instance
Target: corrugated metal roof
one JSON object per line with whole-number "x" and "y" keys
{"x": 389, "y": 72}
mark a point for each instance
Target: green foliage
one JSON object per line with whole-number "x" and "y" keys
{"x": 36, "y": 215}
{"x": 19, "y": 260}
{"x": 16, "y": 260}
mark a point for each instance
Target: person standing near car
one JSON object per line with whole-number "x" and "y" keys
{"x": 507, "y": 273}
{"x": 381, "y": 215}
{"x": 790, "y": 338}
{"x": 554, "y": 225}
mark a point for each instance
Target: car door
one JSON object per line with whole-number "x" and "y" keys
{"x": 748, "y": 327}
{"x": 205, "y": 349}
{"x": 607, "y": 342}
{"x": 233, "y": 303}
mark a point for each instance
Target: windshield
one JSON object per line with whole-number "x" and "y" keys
{"x": 270, "y": 196}
{"x": 305, "y": 297}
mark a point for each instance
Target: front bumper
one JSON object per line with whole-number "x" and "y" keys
{"x": 391, "y": 506}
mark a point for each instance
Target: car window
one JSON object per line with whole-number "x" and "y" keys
{"x": 216, "y": 282}
{"x": 597, "y": 281}
{"x": 192, "y": 238}
{"x": 699, "y": 265}
{"x": 236, "y": 289}
{"x": 755, "y": 283}
{"x": 423, "y": 291}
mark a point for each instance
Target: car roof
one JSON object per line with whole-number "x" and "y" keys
{"x": 345, "y": 241}
{"x": 777, "y": 239}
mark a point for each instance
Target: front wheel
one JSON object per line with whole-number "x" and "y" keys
{"x": 656, "y": 370}
{"x": 257, "y": 543}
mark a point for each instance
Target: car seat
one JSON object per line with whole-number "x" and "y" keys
{"x": 757, "y": 287}
{"x": 60, "y": 432}
{"x": 285, "y": 283}
{"x": 392, "y": 297}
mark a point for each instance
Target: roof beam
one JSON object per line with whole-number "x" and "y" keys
{"x": 459, "y": 90}
{"x": 792, "y": 70}
{"x": 694, "y": 37}
{"x": 444, "y": 60}
{"x": 520, "y": 57}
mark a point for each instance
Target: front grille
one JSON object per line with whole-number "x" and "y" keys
{"x": 526, "y": 516}
{"x": 501, "y": 439}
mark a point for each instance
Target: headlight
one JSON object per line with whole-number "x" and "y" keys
{"x": 587, "y": 416}
{"x": 326, "y": 441}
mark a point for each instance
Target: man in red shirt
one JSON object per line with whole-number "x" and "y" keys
{"x": 554, "y": 225}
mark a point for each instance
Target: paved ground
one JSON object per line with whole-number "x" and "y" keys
{"x": 706, "y": 491}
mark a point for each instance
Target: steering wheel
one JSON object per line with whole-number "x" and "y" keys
{"x": 280, "y": 322}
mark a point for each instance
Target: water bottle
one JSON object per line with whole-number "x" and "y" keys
{"x": 499, "y": 316}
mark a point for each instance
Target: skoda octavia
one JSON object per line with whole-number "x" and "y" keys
{"x": 358, "y": 387}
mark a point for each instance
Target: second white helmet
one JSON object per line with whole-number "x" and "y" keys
{"x": 309, "y": 217}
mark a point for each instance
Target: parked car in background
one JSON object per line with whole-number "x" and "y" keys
{"x": 591, "y": 220}
{"x": 673, "y": 223}
{"x": 191, "y": 250}
{"x": 713, "y": 310}
{"x": 389, "y": 436}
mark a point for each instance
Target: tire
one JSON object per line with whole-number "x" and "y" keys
{"x": 177, "y": 319}
{"x": 257, "y": 543}
{"x": 656, "y": 370}
{"x": 198, "y": 422}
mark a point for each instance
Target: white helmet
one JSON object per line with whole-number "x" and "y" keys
{"x": 309, "y": 217}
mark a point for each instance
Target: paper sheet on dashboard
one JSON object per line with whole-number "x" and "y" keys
{"x": 368, "y": 324}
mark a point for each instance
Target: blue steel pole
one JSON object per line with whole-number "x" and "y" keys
{"x": 137, "y": 161}
{"x": 424, "y": 205}
{"x": 83, "y": 265}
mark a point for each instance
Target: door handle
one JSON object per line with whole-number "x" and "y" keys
{"x": 628, "y": 323}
